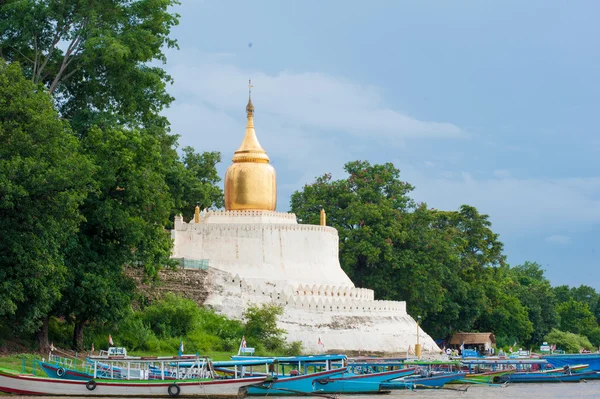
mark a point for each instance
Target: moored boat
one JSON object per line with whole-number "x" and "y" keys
{"x": 591, "y": 359}
{"x": 11, "y": 382}
{"x": 489, "y": 377}
{"x": 292, "y": 384}
{"x": 417, "y": 382}
{"x": 348, "y": 382}
{"x": 534, "y": 377}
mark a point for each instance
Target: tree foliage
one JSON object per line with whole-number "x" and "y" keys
{"x": 448, "y": 266}
{"x": 567, "y": 341}
{"x": 43, "y": 180}
{"x": 93, "y": 56}
{"x": 100, "y": 63}
{"x": 436, "y": 261}
{"x": 261, "y": 326}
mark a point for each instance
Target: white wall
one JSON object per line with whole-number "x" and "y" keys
{"x": 295, "y": 253}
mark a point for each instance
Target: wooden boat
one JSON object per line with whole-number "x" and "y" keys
{"x": 417, "y": 382}
{"x": 489, "y": 377}
{"x": 85, "y": 372}
{"x": 591, "y": 359}
{"x": 301, "y": 384}
{"x": 533, "y": 377}
{"x": 11, "y": 382}
{"x": 351, "y": 383}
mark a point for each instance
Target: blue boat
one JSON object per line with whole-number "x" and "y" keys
{"x": 301, "y": 384}
{"x": 591, "y": 359}
{"x": 359, "y": 383}
{"x": 549, "y": 377}
{"x": 433, "y": 381}
{"x": 292, "y": 375}
{"x": 54, "y": 370}
{"x": 346, "y": 386}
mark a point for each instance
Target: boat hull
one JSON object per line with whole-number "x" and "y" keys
{"x": 591, "y": 359}
{"x": 549, "y": 377}
{"x": 435, "y": 381}
{"x": 32, "y": 385}
{"x": 65, "y": 373}
{"x": 343, "y": 386}
{"x": 359, "y": 383}
{"x": 490, "y": 377}
{"x": 283, "y": 386}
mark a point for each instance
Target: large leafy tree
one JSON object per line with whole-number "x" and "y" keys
{"x": 473, "y": 251}
{"x": 43, "y": 180}
{"x": 436, "y": 261}
{"x": 576, "y": 317}
{"x": 125, "y": 215}
{"x": 93, "y": 56}
{"x": 100, "y": 60}
{"x": 528, "y": 284}
{"x": 194, "y": 181}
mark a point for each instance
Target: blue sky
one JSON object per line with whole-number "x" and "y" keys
{"x": 487, "y": 103}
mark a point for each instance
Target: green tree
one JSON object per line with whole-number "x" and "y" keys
{"x": 567, "y": 341}
{"x": 261, "y": 326}
{"x": 101, "y": 63}
{"x": 537, "y": 296}
{"x": 470, "y": 261}
{"x": 93, "y": 56}
{"x": 562, "y": 293}
{"x": 436, "y": 261}
{"x": 504, "y": 314}
{"x": 193, "y": 181}
{"x": 588, "y": 295}
{"x": 43, "y": 179}
{"x": 576, "y": 317}
{"x": 125, "y": 215}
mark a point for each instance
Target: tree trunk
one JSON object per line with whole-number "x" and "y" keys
{"x": 42, "y": 336}
{"x": 78, "y": 335}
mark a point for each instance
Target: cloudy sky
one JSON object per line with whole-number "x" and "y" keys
{"x": 488, "y": 103}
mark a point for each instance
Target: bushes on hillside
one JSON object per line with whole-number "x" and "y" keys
{"x": 161, "y": 326}
{"x": 568, "y": 342}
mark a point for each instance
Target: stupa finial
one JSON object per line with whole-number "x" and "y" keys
{"x": 250, "y": 107}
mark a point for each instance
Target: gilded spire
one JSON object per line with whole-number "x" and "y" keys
{"x": 249, "y": 107}
{"x": 250, "y": 181}
{"x": 250, "y": 150}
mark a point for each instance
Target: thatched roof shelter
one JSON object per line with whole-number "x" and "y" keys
{"x": 483, "y": 340}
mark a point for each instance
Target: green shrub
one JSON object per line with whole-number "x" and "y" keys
{"x": 134, "y": 334}
{"x": 568, "y": 342}
{"x": 172, "y": 316}
{"x": 261, "y": 325}
{"x": 594, "y": 336}
{"x": 293, "y": 348}
{"x": 200, "y": 341}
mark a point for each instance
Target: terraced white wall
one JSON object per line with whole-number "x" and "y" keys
{"x": 257, "y": 248}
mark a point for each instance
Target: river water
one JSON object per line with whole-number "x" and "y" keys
{"x": 590, "y": 389}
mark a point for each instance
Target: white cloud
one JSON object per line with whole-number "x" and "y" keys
{"x": 303, "y": 99}
{"x": 312, "y": 123}
{"x": 516, "y": 206}
{"x": 558, "y": 239}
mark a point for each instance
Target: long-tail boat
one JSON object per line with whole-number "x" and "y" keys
{"x": 12, "y": 382}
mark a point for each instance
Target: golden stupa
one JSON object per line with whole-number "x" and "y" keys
{"x": 250, "y": 182}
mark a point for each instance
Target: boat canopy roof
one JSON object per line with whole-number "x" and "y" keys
{"x": 248, "y": 362}
{"x": 503, "y": 361}
{"x": 296, "y": 359}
